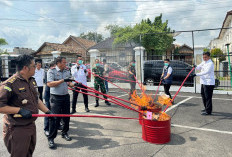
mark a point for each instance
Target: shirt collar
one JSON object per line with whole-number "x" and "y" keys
{"x": 20, "y": 76}
{"x": 57, "y": 68}
{"x": 208, "y": 61}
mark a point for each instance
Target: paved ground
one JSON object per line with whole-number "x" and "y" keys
{"x": 191, "y": 134}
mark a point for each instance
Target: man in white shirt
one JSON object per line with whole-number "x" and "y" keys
{"x": 39, "y": 78}
{"x": 207, "y": 81}
{"x": 80, "y": 74}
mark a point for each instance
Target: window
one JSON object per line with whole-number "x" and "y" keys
{"x": 149, "y": 65}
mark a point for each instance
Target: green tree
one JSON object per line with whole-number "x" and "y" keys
{"x": 218, "y": 53}
{"x": 3, "y": 42}
{"x": 155, "y": 36}
{"x": 94, "y": 36}
{"x": 112, "y": 29}
{"x": 206, "y": 50}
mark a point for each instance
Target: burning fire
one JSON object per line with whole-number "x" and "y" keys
{"x": 146, "y": 101}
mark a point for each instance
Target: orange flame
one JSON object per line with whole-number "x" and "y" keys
{"x": 145, "y": 100}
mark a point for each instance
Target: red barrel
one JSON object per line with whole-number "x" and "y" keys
{"x": 158, "y": 132}
{"x": 157, "y": 110}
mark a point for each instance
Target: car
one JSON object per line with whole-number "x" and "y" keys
{"x": 118, "y": 74}
{"x": 154, "y": 68}
{"x": 115, "y": 66}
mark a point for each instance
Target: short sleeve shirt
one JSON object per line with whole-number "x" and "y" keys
{"x": 56, "y": 74}
{"x": 17, "y": 92}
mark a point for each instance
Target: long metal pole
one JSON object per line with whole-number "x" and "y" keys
{"x": 227, "y": 45}
{"x": 194, "y": 61}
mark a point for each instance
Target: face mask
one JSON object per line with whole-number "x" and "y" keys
{"x": 166, "y": 64}
{"x": 97, "y": 64}
{"x": 133, "y": 64}
{"x": 80, "y": 62}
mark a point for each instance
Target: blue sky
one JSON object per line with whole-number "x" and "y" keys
{"x": 29, "y": 23}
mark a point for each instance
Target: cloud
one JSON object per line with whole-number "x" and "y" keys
{"x": 6, "y": 2}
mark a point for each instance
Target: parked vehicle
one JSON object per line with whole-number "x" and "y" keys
{"x": 153, "y": 70}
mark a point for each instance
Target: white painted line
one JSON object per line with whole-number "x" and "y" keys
{"x": 201, "y": 97}
{"x": 195, "y": 97}
{"x": 202, "y": 129}
{"x": 179, "y": 103}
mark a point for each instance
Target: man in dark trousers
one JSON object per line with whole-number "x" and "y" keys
{"x": 80, "y": 73}
{"x": 58, "y": 80}
{"x": 99, "y": 82}
{"x": 167, "y": 77}
{"x": 47, "y": 99}
{"x": 39, "y": 77}
{"x": 132, "y": 75}
{"x": 18, "y": 95}
{"x": 207, "y": 81}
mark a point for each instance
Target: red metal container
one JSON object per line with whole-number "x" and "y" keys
{"x": 151, "y": 110}
{"x": 158, "y": 132}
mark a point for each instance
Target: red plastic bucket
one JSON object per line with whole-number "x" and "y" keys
{"x": 158, "y": 132}
{"x": 151, "y": 110}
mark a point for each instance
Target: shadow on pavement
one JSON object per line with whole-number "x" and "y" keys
{"x": 176, "y": 140}
{"x": 81, "y": 137}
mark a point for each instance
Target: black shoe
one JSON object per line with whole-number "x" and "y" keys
{"x": 46, "y": 133}
{"x": 87, "y": 109}
{"x": 205, "y": 114}
{"x": 107, "y": 103}
{"x": 51, "y": 144}
{"x": 66, "y": 137}
{"x": 97, "y": 103}
{"x": 73, "y": 111}
{"x": 203, "y": 110}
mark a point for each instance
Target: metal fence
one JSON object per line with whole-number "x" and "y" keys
{"x": 152, "y": 69}
{"x": 180, "y": 63}
{"x": 118, "y": 62}
{"x": 222, "y": 72}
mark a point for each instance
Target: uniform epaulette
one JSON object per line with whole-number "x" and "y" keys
{"x": 11, "y": 80}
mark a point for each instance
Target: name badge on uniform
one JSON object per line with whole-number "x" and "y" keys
{"x": 24, "y": 101}
{"x": 22, "y": 90}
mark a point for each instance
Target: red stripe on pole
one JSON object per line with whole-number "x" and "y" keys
{"x": 180, "y": 87}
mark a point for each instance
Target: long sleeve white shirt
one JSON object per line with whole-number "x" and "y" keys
{"x": 79, "y": 75}
{"x": 39, "y": 76}
{"x": 207, "y": 72}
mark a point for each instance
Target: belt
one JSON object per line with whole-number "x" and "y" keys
{"x": 59, "y": 95}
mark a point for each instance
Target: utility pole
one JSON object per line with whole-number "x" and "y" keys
{"x": 194, "y": 62}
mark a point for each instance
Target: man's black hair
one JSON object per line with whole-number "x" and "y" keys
{"x": 206, "y": 53}
{"x": 133, "y": 61}
{"x": 167, "y": 60}
{"x": 51, "y": 64}
{"x": 23, "y": 60}
{"x": 59, "y": 59}
{"x": 104, "y": 60}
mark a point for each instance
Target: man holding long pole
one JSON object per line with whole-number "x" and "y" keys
{"x": 207, "y": 81}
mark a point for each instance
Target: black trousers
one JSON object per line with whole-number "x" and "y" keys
{"x": 132, "y": 85}
{"x": 47, "y": 104}
{"x": 40, "y": 90}
{"x": 207, "y": 94}
{"x": 75, "y": 96}
{"x": 60, "y": 104}
{"x": 166, "y": 89}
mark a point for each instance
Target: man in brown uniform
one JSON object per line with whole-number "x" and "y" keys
{"x": 18, "y": 95}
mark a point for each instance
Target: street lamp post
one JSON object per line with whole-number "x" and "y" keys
{"x": 228, "y": 52}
